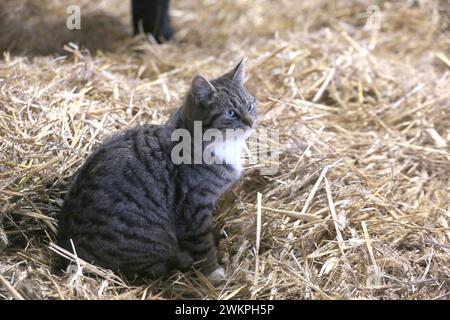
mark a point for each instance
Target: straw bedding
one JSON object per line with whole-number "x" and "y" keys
{"x": 359, "y": 208}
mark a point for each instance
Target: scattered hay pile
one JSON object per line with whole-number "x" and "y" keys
{"x": 360, "y": 205}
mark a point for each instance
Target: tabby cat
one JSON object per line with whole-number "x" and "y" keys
{"x": 130, "y": 208}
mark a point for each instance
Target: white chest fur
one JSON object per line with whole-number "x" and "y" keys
{"x": 229, "y": 152}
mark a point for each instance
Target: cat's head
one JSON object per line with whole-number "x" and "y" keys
{"x": 222, "y": 103}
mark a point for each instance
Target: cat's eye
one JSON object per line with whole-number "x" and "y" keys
{"x": 230, "y": 114}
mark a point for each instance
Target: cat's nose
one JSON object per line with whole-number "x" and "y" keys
{"x": 248, "y": 120}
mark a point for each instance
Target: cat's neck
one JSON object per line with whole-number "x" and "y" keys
{"x": 230, "y": 152}
{"x": 227, "y": 152}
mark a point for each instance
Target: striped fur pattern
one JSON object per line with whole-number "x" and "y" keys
{"x": 131, "y": 209}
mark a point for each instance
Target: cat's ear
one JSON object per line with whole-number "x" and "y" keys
{"x": 201, "y": 88}
{"x": 237, "y": 73}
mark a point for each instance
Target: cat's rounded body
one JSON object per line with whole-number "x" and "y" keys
{"x": 118, "y": 208}
{"x": 130, "y": 208}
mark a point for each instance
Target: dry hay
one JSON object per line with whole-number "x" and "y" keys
{"x": 359, "y": 207}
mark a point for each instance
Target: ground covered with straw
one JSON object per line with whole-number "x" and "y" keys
{"x": 359, "y": 207}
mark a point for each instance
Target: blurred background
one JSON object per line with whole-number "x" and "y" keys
{"x": 358, "y": 91}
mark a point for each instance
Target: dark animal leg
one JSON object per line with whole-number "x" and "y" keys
{"x": 203, "y": 250}
{"x": 217, "y": 237}
{"x": 154, "y": 17}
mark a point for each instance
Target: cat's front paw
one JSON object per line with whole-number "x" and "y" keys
{"x": 217, "y": 275}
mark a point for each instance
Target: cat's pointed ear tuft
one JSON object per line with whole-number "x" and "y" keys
{"x": 201, "y": 88}
{"x": 237, "y": 73}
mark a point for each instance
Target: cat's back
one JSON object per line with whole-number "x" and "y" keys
{"x": 136, "y": 151}
{"x": 127, "y": 180}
